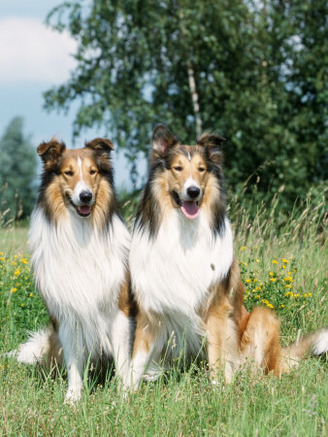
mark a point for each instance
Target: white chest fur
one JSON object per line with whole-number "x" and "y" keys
{"x": 173, "y": 271}
{"x": 77, "y": 268}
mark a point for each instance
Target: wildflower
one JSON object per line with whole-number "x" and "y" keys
{"x": 283, "y": 266}
{"x": 269, "y": 305}
{"x": 242, "y": 248}
{"x": 273, "y": 279}
{"x": 13, "y": 290}
{"x": 271, "y": 274}
{"x": 254, "y": 280}
{"x": 296, "y": 295}
{"x": 2, "y": 258}
{"x": 282, "y": 306}
{"x": 305, "y": 295}
{"x": 288, "y": 278}
{"x": 257, "y": 260}
{"x": 31, "y": 295}
{"x": 285, "y": 261}
{"x": 248, "y": 281}
{"x": 288, "y": 286}
{"x": 17, "y": 272}
{"x": 257, "y": 296}
{"x": 274, "y": 261}
{"x": 310, "y": 294}
{"x": 243, "y": 263}
{"x": 24, "y": 261}
{"x": 258, "y": 288}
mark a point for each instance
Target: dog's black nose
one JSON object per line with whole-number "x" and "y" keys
{"x": 193, "y": 192}
{"x": 85, "y": 196}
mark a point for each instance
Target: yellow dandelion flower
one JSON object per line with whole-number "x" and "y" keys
{"x": 243, "y": 263}
{"x": 255, "y": 280}
{"x": 282, "y": 306}
{"x": 1, "y": 253}
{"x": 22, "y": 304}
{"x": 242, "y": 248}
{"x": 288, "y": 286}
{"x": 269, "y": 305}
{"x": 284, "y": 260}
{"x": 271, "y": 274}
{"x": 258, "y": 288}
{"x": 257, "y": 296}
{"x": 296, "y": 295}
{"x": 13, "y": 290}
{"x": 14, "y": 263}
{"x": 24, "y": 261}
{"x": 257, "y": 260}
{"x": 248, "y": 281}
{"x": 273, "y": 279}
{"x": 283, "y": 266}
{"x": 305, "y": 295}
{"x": 15, "y": 256}
{"x": 31, "y": 294}
{"x": 2, "y": 258}
{"x": 274, "y": 261}
{"x": 310, "y": 294}
{"x": 16, "y": 272}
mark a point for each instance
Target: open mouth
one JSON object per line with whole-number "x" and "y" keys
{"x": 189, "y": 208}
{"x": 83, "y": 210}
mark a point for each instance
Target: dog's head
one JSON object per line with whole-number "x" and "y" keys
{"x": 75, "y": 178}
{"x": 192, "y": 175}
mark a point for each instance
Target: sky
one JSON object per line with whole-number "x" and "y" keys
{"x": 34, "y": 58}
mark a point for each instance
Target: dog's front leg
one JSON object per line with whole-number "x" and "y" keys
{"x": 70, "y": 336}
{"x": 144, "y": 350}
{"x": 122, "y": 330}
{"x": 222, "y": 342}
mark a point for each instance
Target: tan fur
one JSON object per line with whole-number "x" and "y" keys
{"x": 125, "y": 303}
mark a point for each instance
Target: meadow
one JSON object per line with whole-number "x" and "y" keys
{"x": 283, "y": 261}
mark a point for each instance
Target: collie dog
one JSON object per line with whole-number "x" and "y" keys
{"x": 80, "y": 249}
{"x": 185, "y": 279}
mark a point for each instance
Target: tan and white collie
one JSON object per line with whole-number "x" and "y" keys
{"x": 80, "y": 248}
{"x": 185, "y": 279}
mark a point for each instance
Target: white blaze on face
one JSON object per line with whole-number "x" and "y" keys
{"x": 80, "y": 186}
{"x": 189, "y": 207}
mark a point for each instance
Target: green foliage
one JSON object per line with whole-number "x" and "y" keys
{"x": 17, "y": 173}
{"x": 260, "y": 71}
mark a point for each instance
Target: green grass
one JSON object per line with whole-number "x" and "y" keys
{"x": 183, "y": 404}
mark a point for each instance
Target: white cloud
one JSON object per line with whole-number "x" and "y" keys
{"x": 31, "y": 52}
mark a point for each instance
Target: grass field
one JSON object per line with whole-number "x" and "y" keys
{"x": 284, "y": 266}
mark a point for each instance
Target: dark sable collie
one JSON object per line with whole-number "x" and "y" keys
{"x": 80, "y": 247}
{"x": 185, "y": 279}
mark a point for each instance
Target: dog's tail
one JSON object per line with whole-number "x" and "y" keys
{"x": 260, "y": 342}
{"x": 42, "y": 347}
{"x": 315, "y": 344}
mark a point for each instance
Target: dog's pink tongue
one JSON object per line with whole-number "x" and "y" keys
{"x": 190, "y": 209}
{"x": 84, "y": 210}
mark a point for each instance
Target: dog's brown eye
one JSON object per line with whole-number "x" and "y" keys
{"x": 178, "y": 168}
{"x": 68, "y": 173}
{"x": 93, "y": 172}
{"x": 201, "y": 169}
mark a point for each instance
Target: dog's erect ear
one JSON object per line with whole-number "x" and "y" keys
{"x": 51, "y": 152}
{"x": 213, "y": 143}
{"x": 100, "y": 145}
{"x": 163, "y": 140}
